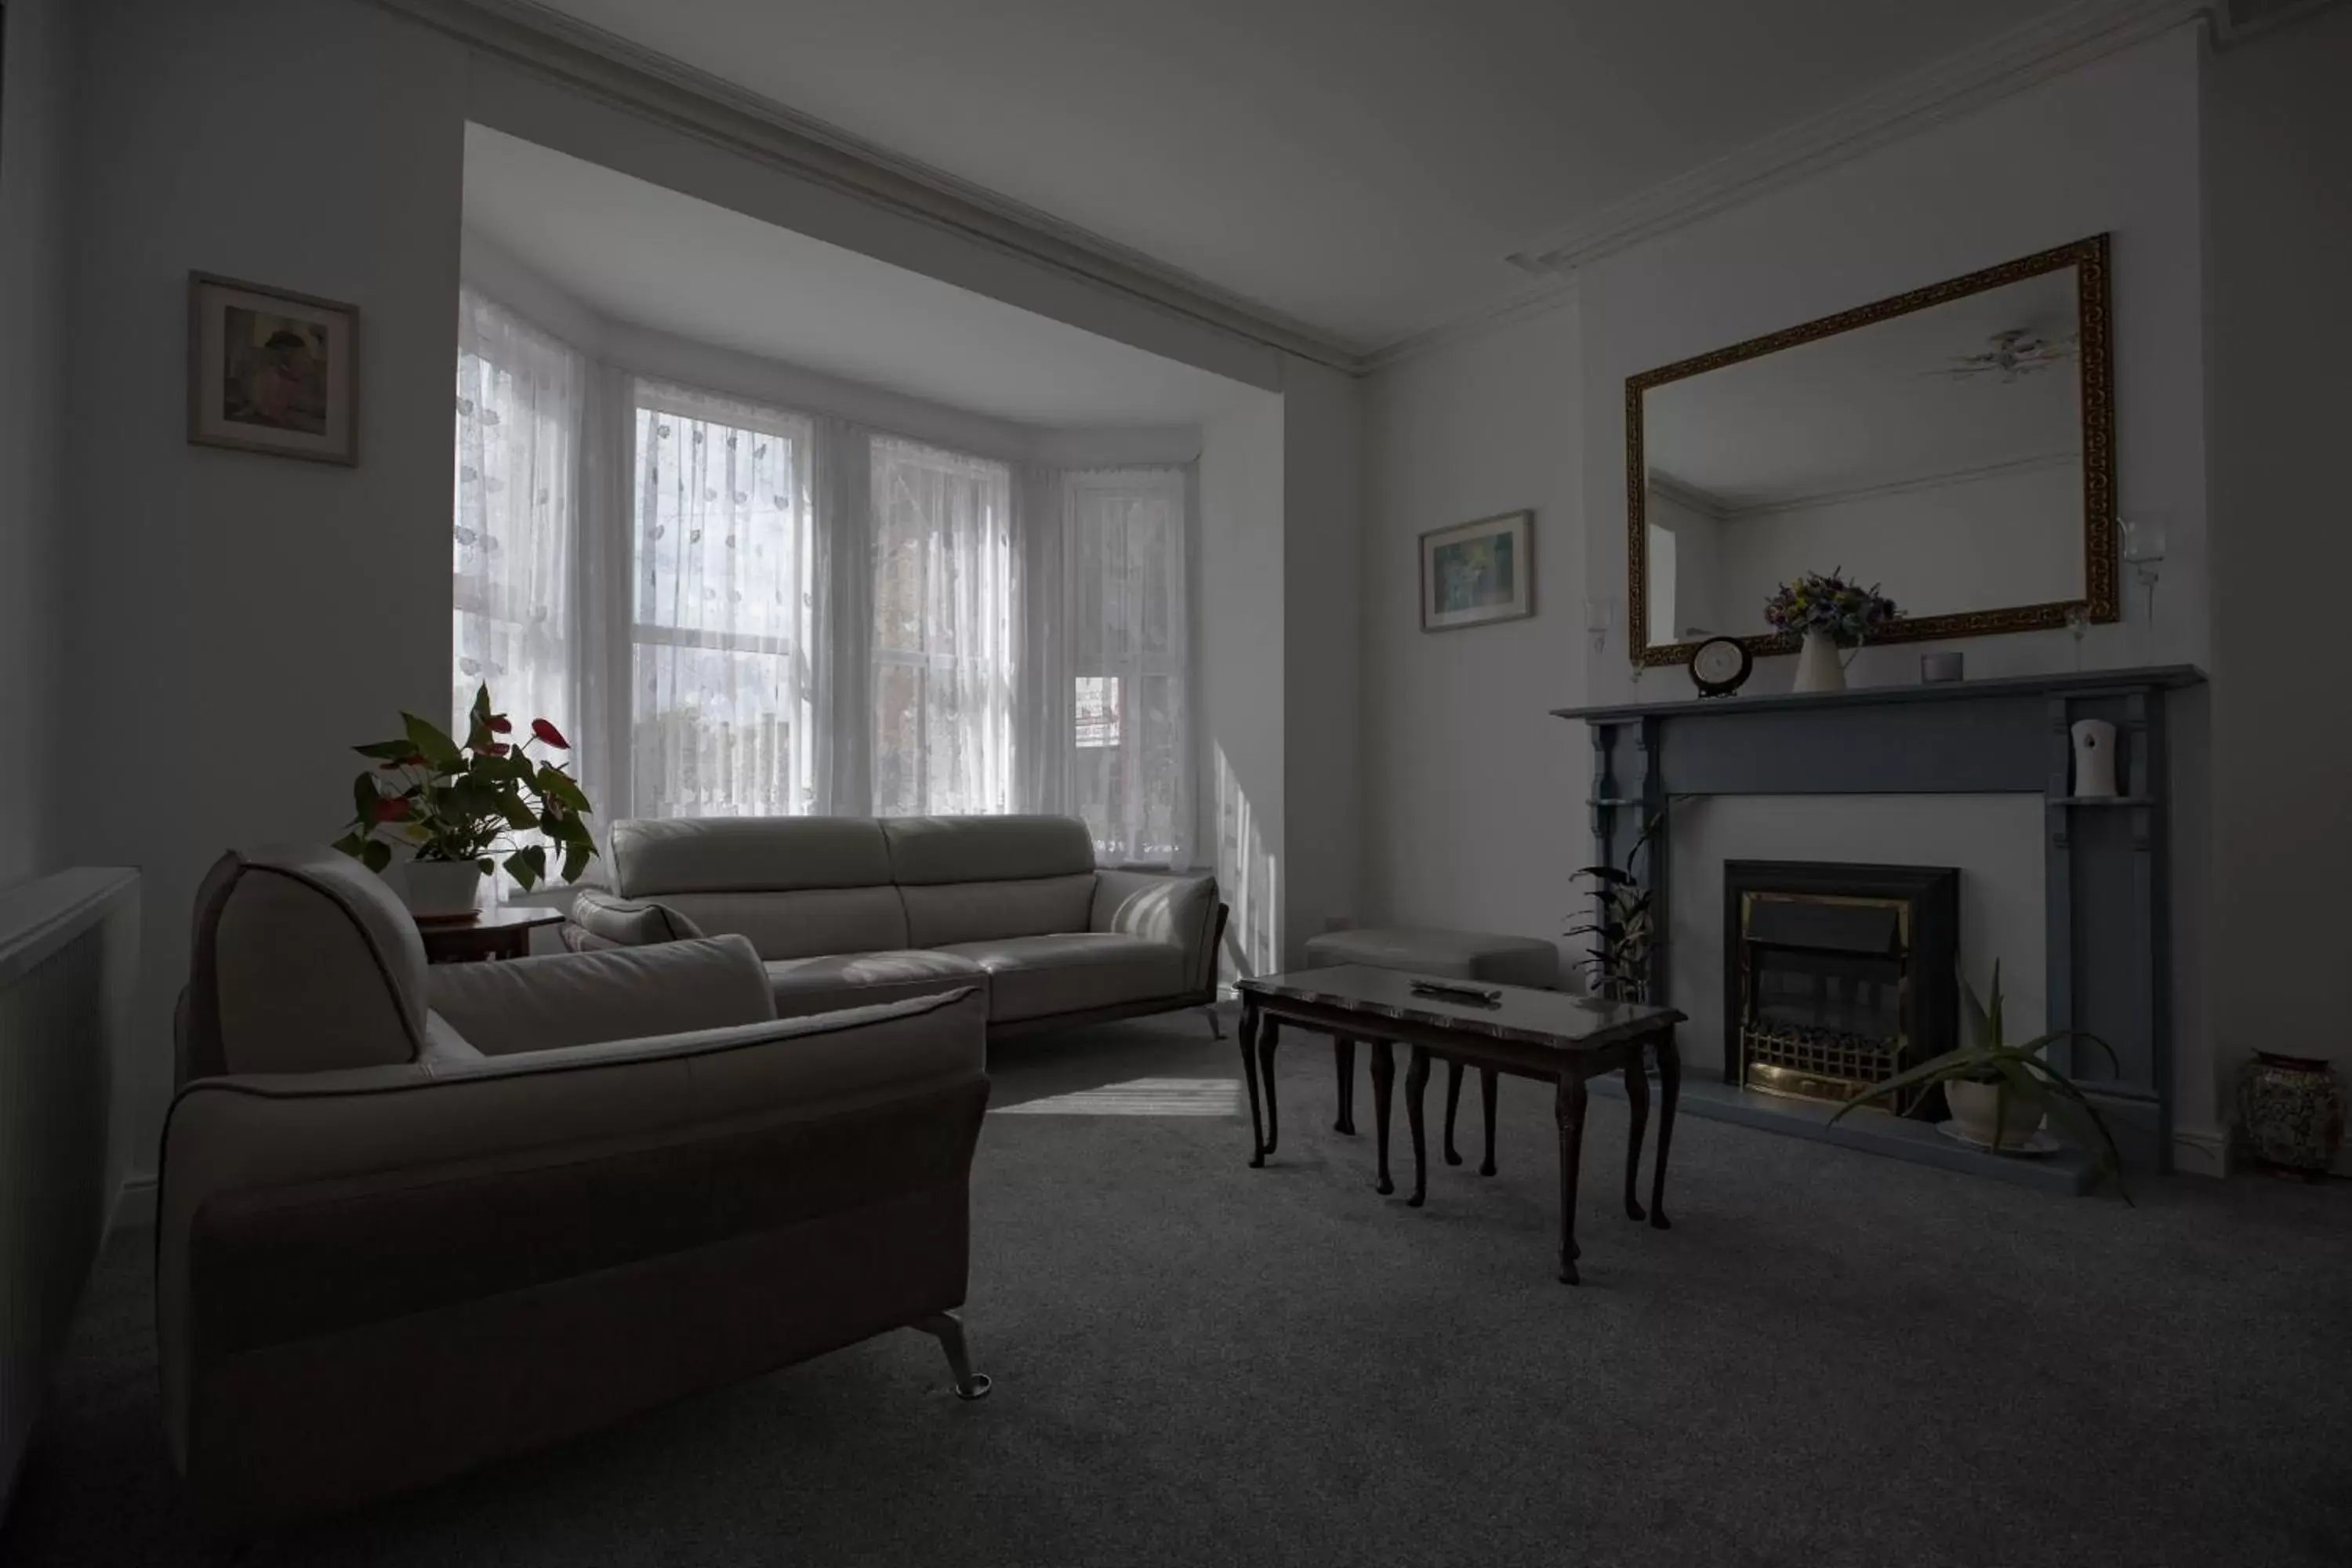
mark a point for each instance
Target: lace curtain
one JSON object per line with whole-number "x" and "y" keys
{"x": 943, "y": 649}
{"x": 721, "y": 677}
{"x": 517, "y": 528}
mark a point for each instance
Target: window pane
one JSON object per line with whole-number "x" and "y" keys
{"x": 713, "y": 734}
{"x": 1097, "y": 711}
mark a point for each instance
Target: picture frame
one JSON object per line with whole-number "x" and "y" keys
{"x": 1475, "y": 574}
{"x": 272, "y": 371}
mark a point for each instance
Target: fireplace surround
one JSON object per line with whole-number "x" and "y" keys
{"x": 1836, "y": 976}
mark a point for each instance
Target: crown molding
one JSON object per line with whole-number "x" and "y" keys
{"x": 1731, "y": 511}
{"x": 2059, "y": 42}
{"x": 653, "y": 86}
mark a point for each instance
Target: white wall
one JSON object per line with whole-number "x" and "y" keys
{"x": 2279, "y": 263}
{"x": 36, "y": 273}
{"x": 1699, "y": 598}
{"x": 1239, "y": 657}
{"x": 236, "y": 622}
{"x": 2111, "y": 147}
{"x": 1473, "y": 813}
{"x": 2013, "y": 537}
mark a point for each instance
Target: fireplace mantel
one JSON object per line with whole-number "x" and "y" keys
{"x": 2104, "y": 871}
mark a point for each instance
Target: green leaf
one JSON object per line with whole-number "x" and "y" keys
{"x": 375, "y": 854}
{"x": 518, "y": 813}
{"x": 2040, "y": 1040}
{"x": 351, "y": 844}
{"x": 1604, "y": 874}
{"x": 576, "y": 859}
{"x": 433, "y": 743}
{"x": 526, "y": 866}
{"x": 1976, "y": 1025}
{"x": 364, "y": 795}
{"x": 386, "y": 750}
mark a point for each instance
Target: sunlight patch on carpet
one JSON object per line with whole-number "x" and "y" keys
{"x": 1139, "y": 1097}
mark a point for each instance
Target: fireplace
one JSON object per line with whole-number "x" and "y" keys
{"x": 1836, "y": 976}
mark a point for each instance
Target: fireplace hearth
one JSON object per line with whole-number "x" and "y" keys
{"x": 1836, "y": 976}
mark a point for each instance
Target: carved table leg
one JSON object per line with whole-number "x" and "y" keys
{"x": 1383, "y": 1086}
{"x": 1567, "y": 1109}
{"x": 1670, "y": 1087}
{"x": 1637, "y": 1096}
{"x": 1453, "y": 1103}
{"x": 1416, "y": 1081}
{"x": 1249, "y": 1073}
{"x": 1268, "y": 1033}
{"x": 1486, "y": 1077}
{"x": 1343, "y": 1053}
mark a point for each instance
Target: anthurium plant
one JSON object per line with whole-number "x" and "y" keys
{"x": 471, "y": 803}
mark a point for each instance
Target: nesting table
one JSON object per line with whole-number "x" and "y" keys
{"x": 1549, "y": 1035}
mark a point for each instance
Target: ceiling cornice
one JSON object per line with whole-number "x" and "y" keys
{"x": 2056, "y": 43}
{"x": 652, "y": 86}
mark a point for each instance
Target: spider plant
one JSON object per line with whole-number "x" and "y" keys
{"x": 1624, "y": 933}
{"x": 2017, "y": 1071}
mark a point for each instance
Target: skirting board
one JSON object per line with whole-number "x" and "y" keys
{"x": 134, "y": 1203}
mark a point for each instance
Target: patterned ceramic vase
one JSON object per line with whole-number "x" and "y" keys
{"x": 2293, "y": 1110}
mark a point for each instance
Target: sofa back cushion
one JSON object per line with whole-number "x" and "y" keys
{"x": 810, "y": 924}
{"x": 656, "y": 858}
{"x": 974, "y": 879}
{"x": 302, "y": 961}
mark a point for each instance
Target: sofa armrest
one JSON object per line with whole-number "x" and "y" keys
{"x": 629, "y": 922}
{"x": 1157, "y": 906}
{"x": 618, "y": 994}
{"x": 261, "y": 1172}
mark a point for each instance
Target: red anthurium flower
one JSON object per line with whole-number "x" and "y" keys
{"x": 391, "y": 809}
{"x": 549, "y": 733}
{"x": 413, "y": 760}
{"x": 496, "y": 749}
{"x": 501, "y": 724}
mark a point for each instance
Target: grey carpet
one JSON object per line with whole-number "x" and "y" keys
{"x": 1831, "y": 1359}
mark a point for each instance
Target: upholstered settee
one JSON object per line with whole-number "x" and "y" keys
{"x": 849, "y": 910}
{"x": 412, "y": 1219}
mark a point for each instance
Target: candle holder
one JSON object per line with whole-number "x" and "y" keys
{"x": 1600, "y": 620}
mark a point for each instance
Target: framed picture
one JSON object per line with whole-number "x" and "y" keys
{"x": 272, "y": 372}
{"x": 1474, "y": 572}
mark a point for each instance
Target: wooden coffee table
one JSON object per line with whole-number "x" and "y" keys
{"x": 1550, "y": 1035}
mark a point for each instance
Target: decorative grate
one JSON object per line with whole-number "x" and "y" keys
{"x": 1857, "y": 1059}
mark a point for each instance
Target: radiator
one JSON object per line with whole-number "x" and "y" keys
{"x": 68, "y": 959}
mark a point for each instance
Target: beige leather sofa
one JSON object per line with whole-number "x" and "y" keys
{"x": 851, "y": 909}
{"x": 413, "y": 1219}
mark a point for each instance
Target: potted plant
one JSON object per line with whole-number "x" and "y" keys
{"x": 1618, "y": 965}
{"x": 1999, "y": 1094}
{"x": 1830, "y": 614}
{"x": 460, "y": 808}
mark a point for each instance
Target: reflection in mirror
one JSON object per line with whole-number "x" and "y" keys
{"x": 1946, "y": 447}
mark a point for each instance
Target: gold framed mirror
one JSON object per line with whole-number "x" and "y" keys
{"x": 1954, "y": 446}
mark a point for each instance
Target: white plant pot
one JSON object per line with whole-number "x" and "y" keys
{"x": 2094, "y": 759}
{"x": 1974, "y": 1112}
{"x": 1819, "y": 669}
{"x": 440, "y": 889}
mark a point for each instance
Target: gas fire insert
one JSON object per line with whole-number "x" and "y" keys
{"x": 1836, "y": 976}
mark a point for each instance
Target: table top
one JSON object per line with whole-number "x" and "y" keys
{"x": 1558, "y": 1019}
{"x": 503, "y": 917}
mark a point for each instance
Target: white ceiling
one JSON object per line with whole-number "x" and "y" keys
{"x": 1360, "y": 166}
{"x": 1871, "y": 406}
{"x": 648, "y": 255}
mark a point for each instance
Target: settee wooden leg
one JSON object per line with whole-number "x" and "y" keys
{"x": 1216, "y": 1024}
{"x": 947, "y": 1329}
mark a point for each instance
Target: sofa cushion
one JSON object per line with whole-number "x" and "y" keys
{"x": 747, "y": 854}
{"x": 1074, "y": 972}
{"x": 942, "y": 913}
{"x": 927, "y": 849}
{"x": 802, "y": 924}
{"x": 806, "y": 985}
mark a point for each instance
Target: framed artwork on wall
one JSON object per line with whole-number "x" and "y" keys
{"x": 273, "y": 372}
{"x": 1476, "y": 572}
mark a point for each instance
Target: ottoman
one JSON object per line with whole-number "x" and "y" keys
{"x": 1444, "y": 955}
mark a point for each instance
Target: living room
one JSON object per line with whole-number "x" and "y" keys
{"x": 1316, "y": 290}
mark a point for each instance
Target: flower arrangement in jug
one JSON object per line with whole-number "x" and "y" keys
{"x": 1846, "y": 613}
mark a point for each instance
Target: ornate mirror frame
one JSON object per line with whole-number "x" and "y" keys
{"x": 2089, "y": 259}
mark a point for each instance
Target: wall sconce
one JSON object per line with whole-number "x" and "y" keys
{"x": 1599, "y": 619}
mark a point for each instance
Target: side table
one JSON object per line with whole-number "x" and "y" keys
{"x": 501, "y": 932}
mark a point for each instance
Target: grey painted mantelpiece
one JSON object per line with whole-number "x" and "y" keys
{"x": 2104, "y": 873}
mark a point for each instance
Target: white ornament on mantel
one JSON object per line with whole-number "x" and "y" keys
{"x": 1819, "y": 669}
{"x": 2094, "y": 759}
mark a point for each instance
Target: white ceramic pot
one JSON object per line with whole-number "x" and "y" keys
{"x": 440, "y": 889}
{"x": 2094, "y": 759}
{"x": 1974, "y": 1110}
{"x": 1819, "y": 669}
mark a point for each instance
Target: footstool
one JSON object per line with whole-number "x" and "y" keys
{"x": 1446, "y": 955}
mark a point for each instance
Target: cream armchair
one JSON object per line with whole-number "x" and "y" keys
{"x": 411, "y": 1220}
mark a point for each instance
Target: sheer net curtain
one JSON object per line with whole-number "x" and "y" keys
{"x": 944, "y": 655}
{"x": 722, "y": 672}
{"x": 516, "y": 622}
{"x": 1127, "y": 748}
